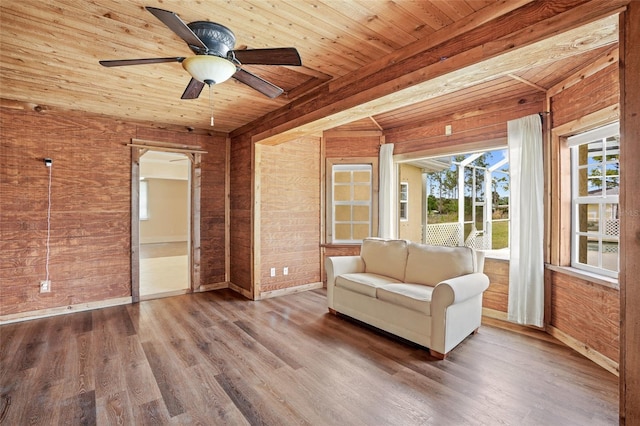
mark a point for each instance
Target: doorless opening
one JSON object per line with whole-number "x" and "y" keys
{"x": 165, "y": 219}
{"x": 164, "y": 224}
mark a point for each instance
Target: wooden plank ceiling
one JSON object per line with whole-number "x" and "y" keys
{"x": 49, "y": 53}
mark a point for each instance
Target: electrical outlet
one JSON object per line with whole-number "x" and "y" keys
{"x": 45, "y": 286}
{"x": 447, "y": 130}
{"x": 285, "y": 270}
{"x": 273, "y": 272}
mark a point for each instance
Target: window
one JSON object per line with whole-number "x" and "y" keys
{"x": 144, "y": 198}
{"x": 595, "y": 221}
{"x": 404, "y": 201}
{"x": 467, "y": 200}
{"x": 351, "y": 202}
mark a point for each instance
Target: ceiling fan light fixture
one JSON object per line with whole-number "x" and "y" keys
{"x": 209, "y": 69}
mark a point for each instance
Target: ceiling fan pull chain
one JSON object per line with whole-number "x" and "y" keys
{"x": 211, "y": 103}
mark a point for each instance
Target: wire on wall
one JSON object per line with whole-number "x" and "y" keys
{"x": 48, "y": 162}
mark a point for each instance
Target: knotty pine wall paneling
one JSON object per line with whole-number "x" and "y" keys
{"x": 289, "y": 215}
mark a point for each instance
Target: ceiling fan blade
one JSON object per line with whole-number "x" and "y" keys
{"x": 276, "y": 56}
{"x": 261, "y": 85}
{"x": 193, "y": 89}
{"x": 123, "y": 62}
{"x": 178, "y": 26}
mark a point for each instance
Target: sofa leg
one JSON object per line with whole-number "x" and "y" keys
{"x": 332, "y": 311}
{"x": 475, "y": 331}
{"x": 437, "y": 354}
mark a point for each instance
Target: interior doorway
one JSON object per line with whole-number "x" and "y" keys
{"x": 164, "y": 224}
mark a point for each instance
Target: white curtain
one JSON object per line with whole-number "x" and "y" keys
{"x": 387, "y": 195}
{"x": 526, "y": 269}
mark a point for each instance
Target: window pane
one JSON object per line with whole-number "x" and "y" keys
{"x": 343, "y": 214}
{"x": 362, "y": 177}
{"x": 343, "y": 231}
{"x": 342, "y": 193}
{"x": 360, "y": 231}
{"x": 611, "y": 223}
{"x": 342, "y": 177}
{"x": 361, "y": 213}
{"x": 403, "y": 211}
{"x": 612, "y": 185}
{"x": 610, "y": 254}
{"x": 595, "y": 173}
{"x": 361, "y": 193}
{"x": 593, "y": 217}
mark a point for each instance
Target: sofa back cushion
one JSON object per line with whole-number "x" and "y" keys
{"x": 429, "y": 265}
{"x": 384, "y": 257}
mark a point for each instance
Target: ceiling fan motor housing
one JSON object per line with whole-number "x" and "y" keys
{"x": 218, "y": 38}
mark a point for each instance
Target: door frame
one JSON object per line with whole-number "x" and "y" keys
{"x": 194, "y": 154}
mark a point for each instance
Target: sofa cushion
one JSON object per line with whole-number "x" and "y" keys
{"x": 416, "y": 297}
{"x": 363, "y": 283}
{"x": 385, "y": 257}
{"x": 429, "y": 265}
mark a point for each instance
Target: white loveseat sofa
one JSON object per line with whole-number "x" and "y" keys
{"x": 430, "y": 295}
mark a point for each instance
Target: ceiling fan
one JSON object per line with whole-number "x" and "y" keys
{"x": 215, "y": 61}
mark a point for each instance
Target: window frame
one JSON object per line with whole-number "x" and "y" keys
{"x": 329, "y": 225}
{"x": 594, "y": 136}
{"x": 143, "y": 195}
{"x": 405, "y": 217}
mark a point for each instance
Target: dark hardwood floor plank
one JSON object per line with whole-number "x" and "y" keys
{"x": 218, "y": 358}
{"x": 79, "y": 409}
{"x": 165, "y": 376}
{"x": 211, "y": 399}
{"x": 115, "y": 409}
{"x": 272, "y": 345}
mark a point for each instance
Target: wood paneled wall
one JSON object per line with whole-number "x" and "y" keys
{"x": 352, "y": 144}
{"x": 90, "y": 241}
{"x": 289, "y": 214}
{"x": 241, "y": 214}
{"x": 478, "y": 127}
{"x": 496, "y": 297}
{"x": 90, "y": 210}
{"x": 588, "y": 312}
{"x": 580, "y": 308}
{"x": 214, "y": 214}
{"x": 594, "y": 93}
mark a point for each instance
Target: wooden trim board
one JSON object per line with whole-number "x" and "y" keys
{"x": 62, "y": 310}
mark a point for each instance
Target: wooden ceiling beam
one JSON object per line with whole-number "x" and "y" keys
{"x": 495, "y": 48}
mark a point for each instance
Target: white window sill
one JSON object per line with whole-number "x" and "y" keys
{"x": 587, "y": 276}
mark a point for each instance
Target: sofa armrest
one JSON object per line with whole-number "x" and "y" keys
{"x": 338, "y": 265}
{"x": 458, "y": 289}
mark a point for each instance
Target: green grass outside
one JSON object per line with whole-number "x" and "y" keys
{"x": 499, "y": 239}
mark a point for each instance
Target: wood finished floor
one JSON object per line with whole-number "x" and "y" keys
{"x": 216, "y": 358}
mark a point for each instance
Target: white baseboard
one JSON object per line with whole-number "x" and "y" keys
{"x": 61, "y": 310}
